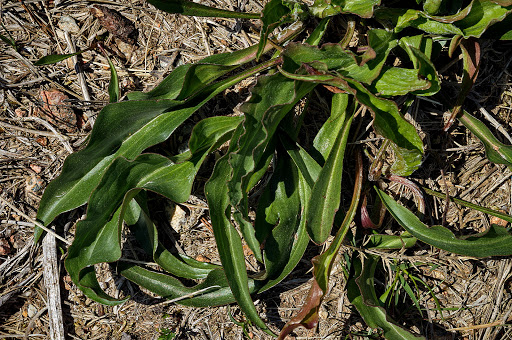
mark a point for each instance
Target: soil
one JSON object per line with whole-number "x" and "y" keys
{"x": 47, "y": 113}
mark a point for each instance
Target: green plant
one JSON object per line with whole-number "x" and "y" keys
{"x": 166, "y": 334}
{"x": 302, "y": 198}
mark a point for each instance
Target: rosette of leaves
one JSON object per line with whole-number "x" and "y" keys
{"x": 302, "y": 198}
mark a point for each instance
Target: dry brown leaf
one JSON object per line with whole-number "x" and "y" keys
{"x": 115, "y": 23}
{"x": 56, "y": 110}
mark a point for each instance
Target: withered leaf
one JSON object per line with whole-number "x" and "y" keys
{"x": 119, "y": 26}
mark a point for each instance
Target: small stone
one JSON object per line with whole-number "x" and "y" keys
{"x": 202, "y": 258}
{"x": 35, "y": 183}
{"x": 31, "y": 311}
{"x": 42, "y": 141}
{"x": 178, "y": 219}
{"x": 126, "y": 336}
{"x": 36, "y": 168}
{"x": 68, "y": 24}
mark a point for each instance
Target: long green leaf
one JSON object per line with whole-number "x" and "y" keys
{"x": 324, "y": 140}
{"x": 497, "y": 241}
{"x": 191, "y": 8}
{"x": 464, "y": 203}
{"x": 213, "y": 291}
{"x": 113, "y": 86}
{"x": 228, "y": 240}
{"x": 326, "y": 192}
{"x": 55, "y": 58}
{"x": 496, "y": 151}
{"x": 278, "y": 216}
{"x": 301, "y": 237}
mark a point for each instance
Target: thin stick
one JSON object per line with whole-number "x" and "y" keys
{"x": 447, "y": 199}
{"x": 470, "y": 328}
{"x": 52, "y": 129}
{"x": 51, "y": 281}
{"x": 21, "y": 213}
{"x": 498, "y": 126}
{"x": 35, "y": 132}
{"x": 79, "y": 73}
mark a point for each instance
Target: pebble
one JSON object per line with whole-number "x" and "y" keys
{"x": 68, "y": 24}
{"x": 31, "y": 311}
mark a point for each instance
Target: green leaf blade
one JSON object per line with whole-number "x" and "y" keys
{"x": 191, "y": 8}
{"x": 496, "y": 242}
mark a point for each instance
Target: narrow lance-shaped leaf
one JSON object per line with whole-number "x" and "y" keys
{"x": 301, "y": 238}
{"x": 228, "y": 240}
{"x": 326, "y": 192}
{"x": 497, "y": 241}
{"x": 322, "y": 265}
{"x": 467, "y": 204}
{"x": 191, "y": 8}
{"x": 361, "y": 293}
{"x": 55, "y": 58}
{"x": 213, "y": 291}
{"x": 113, "y": 86}
{"x": 496, "y": 151}
{"x": 324, "y": 140}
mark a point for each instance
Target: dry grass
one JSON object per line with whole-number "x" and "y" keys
{"x": 37, "y": 135}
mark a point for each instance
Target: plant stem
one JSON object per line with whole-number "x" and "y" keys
{"x": 467, "y": 204}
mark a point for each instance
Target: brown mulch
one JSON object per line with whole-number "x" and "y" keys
{"x": 46, "y": 113}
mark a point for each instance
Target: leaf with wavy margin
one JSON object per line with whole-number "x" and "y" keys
{"x": 97, "y": 238}
{"x": 145, "y": 123}
{"x": 497, "y": 241}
